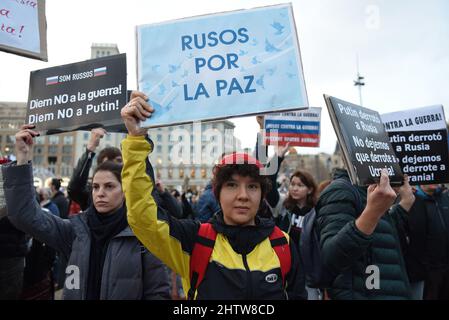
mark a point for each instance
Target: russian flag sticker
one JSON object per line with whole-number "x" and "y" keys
{"x": 100, "y": 71}
{"x": 51, "y": 80}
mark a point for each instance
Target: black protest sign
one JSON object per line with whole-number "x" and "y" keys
{"x": 364, "y": 142}
{"x": 78, "y": 96}
{"x": 419, "y": 138}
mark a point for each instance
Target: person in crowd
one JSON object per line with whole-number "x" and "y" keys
{"x": 45, "y": 201}
{"x": 426, "y": 246}
{"x": 107, "y": 261}
{"x": 273, "y": 198}
{"x": 175, "y": 193}
{"x": 322, "y": 185}
{"x": 58, "y": 198}
{"x": 207, "y": 205}
{"x": 79, "y": 189}
{"x": 187, "y": 205}
{"x": 13, "y": 249}
{"x": 242, "y": 262}
{"x": 300, "y": 200}
{"x": 291, "y": 210}
{"x": 43, "y": 267}
{"x": 74, "y": 208}
{"x": 39, "y": 279}
{"x": 362, "y": 249}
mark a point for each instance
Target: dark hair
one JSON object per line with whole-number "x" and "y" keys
{"x": 310, "y": 183}
{"x": 110, "y": 153}
{"x": 323, "y": 185}
{"x": 55, "y": 182}
{"x": 111, "y": 166}
{"x": 175, "y": 193}
{"x": 224, "y": 173}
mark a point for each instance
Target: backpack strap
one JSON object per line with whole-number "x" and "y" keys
{"x": 280, "y": 245}
{"x": 202, "y": 251}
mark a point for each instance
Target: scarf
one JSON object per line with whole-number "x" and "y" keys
{"x": 103, "y": 227}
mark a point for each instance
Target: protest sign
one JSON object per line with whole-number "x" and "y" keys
{"x": 221, "y": 65}
{"x": 23, "y": 28}
{"x": 78, "y": 96}
{"x": 419, "y": 138}
{"x": 364, "y": 142}
{"x": 300, "y": 128}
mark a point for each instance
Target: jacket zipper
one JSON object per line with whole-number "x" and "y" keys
{"x": 249, "y": 282}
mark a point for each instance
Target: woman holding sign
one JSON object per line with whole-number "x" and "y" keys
{"x": 105, "y": 260}
{"x": 237, "y": 255}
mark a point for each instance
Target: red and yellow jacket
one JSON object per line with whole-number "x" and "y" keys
{"x": 255, "y": 274}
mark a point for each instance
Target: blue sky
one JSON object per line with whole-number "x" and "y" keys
{"x": 402, "y": 45}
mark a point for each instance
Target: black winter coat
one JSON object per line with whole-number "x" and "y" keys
{"x": 348, "y": 252}
{"x": 427, "y": 237}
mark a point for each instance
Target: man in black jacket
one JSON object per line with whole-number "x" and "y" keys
{"x": 427, "y": 248}
{"x": 356, "y": 244}
{"x": 13, "y": 248}
{"x": 58, "y": 198}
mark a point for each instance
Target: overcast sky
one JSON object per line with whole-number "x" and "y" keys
{"x": 402, "y": 45}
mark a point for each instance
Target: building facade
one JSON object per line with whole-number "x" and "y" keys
{"x": 184, "y": 155}
{"x": 53, "y": 156}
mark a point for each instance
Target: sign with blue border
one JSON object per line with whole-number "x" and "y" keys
{"x": 300, "y": 129}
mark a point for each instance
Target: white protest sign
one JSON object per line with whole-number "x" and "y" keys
{"x": 300, "y": 128}
{"x": 23, "y": 28}
{"x": 419, "y": 139}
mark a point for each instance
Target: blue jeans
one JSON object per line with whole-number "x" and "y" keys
{"x": 11, "y": 277}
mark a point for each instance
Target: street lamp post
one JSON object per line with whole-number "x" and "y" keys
{"x": 359, "y": 82}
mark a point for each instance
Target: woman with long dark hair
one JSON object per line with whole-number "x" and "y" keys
{"x": 105, "y": 259}
{"x": 300, "y": 200}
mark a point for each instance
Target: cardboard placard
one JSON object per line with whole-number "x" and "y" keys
{"x": 23, "y": 28}
{"x": 364, "y": 142}
{"x": 301, "y": 129}
{"x": 419, "y": 138}
{"x": 78, "y": 96}
{"x": 221, "y": 65}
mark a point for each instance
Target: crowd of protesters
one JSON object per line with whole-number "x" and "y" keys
{"x": 124, "y": 235}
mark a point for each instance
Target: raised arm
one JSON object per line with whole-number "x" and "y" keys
{"x": 167, "y": 238}
{"x": 23, "y": 210}
{"x": 346, "y": 235}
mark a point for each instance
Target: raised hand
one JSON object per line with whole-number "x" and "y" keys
{"x": 159, "y": 185}
{"x": 282, "y": 150}
{"x": 406, "y": 195}
{"x": 135, "y": 111}
{"x": 96, "y": 135}
{"x": 24, "y": 142}
{"x": 380, "y": 198}
{"x": 260, "y": 121}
